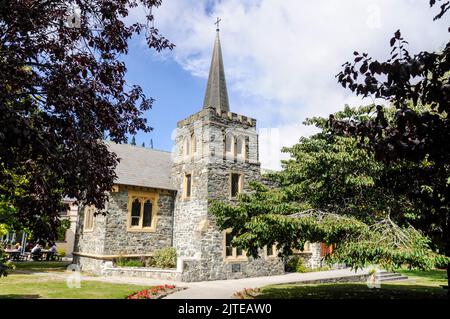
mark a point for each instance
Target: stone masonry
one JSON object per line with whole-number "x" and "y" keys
{"x": 211, "y": 146}
{"x": 110, "y": 238}
{"x": 196, "y": 236}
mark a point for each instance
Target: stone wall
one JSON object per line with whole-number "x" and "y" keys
{"x": 110, "y": 237}
{"x": 153, "y": 273}
{"x": 91, "y": 242}
{"x": 313, "y": 257}
{"x": 88, "y": 264}
{"x": 196, "y": 236}
{"x": 315, "y": 261}
{"x": 120, "y": 241}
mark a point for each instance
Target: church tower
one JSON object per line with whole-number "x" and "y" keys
{"x": 215, "y": 157}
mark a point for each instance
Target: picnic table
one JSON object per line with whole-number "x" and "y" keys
{"x": 13, "y": 254}
{"x": 44, "y": 254}
{"x": 47, "y": 254}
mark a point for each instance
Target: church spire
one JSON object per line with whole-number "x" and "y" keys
{"x": 216, "y": 90}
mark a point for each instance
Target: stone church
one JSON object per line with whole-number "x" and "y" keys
{"x": 161, "y": 199}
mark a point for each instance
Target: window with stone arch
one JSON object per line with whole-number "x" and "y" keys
{"x": 229, "y": 145}
{"x": 240, "y": 147}
{"x": 89, "y": 212}
{"x": 230, "y": 252}
{"x": 193, "y": 144}
{"x": 142, "y": 211}
{"x": 186, "y": 146}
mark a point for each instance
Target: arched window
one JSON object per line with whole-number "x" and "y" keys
{"x": 229, "y": 145}
{"x": 240, "y": 147}
{"x": 89, "y": 218}
{"x": 186, "y": 146}
{"x": 142, "y": 212}
{"x": 193, "y": 144}
{"x": 135, "y": 212}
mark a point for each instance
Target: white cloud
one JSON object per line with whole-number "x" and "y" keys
{"x": 281, "y": 56}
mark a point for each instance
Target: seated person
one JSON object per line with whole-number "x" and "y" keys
{"x": 52, "y": 251}
{"x": 36, "y": 252}
{"x": 18, "y": 247}
{"x": 53, "y": 248}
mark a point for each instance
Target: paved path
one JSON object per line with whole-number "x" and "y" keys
{"x": 218, "y": 289}
{"x": 224, "y": 289}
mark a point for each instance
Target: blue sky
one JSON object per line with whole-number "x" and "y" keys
{"x": 280, "y": 59}
{"x": 177, "y": 93}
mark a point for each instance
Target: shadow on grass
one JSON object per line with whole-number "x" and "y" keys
{"x": 36, "y": 271}
{"x": 352, "y": 291}
{"x": 17, "y": 296}
{"x": 41, "y": 264}
{"x": 430, "y": 275}
{"x": 31, "y": 267}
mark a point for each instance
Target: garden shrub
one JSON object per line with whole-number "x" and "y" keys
{"x": 165, "y": 258}
{"x": 4, "y": 265}
{"x": 61, "y": 252}
{"x": 296, "y": 264}
{"x": 125, "y": 262}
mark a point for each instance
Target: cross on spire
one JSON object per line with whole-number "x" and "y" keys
{"x": 216, "y": 95}
{"x": 217, "y": 23}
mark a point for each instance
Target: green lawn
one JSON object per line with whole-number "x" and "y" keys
{"x": 39, "y": 286}
{"x": 41, "y": 265}
{"x": 23, "y": 282}
{"x": 423, "y": 285}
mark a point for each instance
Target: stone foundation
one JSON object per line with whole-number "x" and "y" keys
{"x": 153, "y": 273}
{"x": 201, "y": 269}
{"x": 90, "y": 265}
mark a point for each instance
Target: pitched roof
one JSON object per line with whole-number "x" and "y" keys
{"x": 216, "y": 95}
{"x": 140, "y": 166}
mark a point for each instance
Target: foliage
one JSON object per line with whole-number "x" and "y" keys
{"x": 247, "y": 293}
{"x": 63, "y": 227}
{"x": 61, "y": 252}
{"x": 332, "y": 174}
{"x": 378, "y": 247}
{"x": 126, "y": 262}
{"x": 295, "y": 264}
{"x": 332, "y": 191}
{"x": 165, "y": 258}
{"x": 5, "y": 265}
{"x": 258, "y": 220}
{"x": 155, "y": 292}
{"x": 4, "y": 229}
{"x": 367, "y": 177}
{"x": 417, "y": 135}
{"x": 62, "y": 90}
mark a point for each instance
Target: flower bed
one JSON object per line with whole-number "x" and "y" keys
{"x": 155, "y": 292}
{"x": 247, "y": 293}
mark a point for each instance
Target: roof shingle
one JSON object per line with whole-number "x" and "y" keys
{"x": 140, "y": 166}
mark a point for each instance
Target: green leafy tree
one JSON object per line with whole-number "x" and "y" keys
{"x": 62, "y": 91}
{"x": 4, "y": 264}
{"x": 416, "y": 135}
{"x": 61, "y": 231}
{"x": 332, "y": 191}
